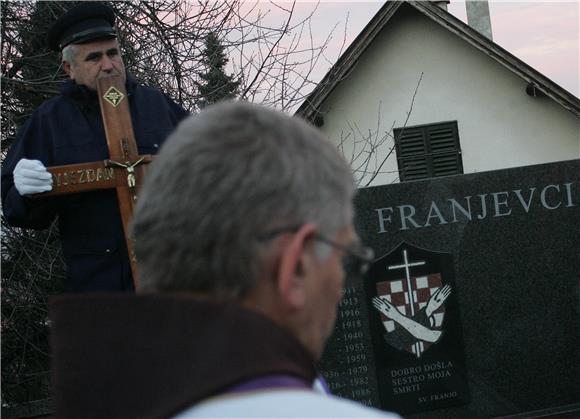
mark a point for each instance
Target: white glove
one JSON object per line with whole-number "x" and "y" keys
{"x": 31, "y": 176}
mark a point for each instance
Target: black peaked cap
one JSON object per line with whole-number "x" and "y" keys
{"x": 83, "y": 23}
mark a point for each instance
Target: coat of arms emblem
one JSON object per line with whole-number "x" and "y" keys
{"x": 410, "y": 292}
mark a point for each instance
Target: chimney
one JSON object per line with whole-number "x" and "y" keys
{"x": 441, "y": 3}
{"x": 478, "y": 16}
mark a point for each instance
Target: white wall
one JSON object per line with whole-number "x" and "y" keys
{"x": 499, "y": 125}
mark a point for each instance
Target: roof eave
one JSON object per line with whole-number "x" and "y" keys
{"x": 348, "y": 60}
{"x": 345, "y": 63}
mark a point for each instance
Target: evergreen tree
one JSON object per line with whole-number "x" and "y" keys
{"x": 216, "y": 85}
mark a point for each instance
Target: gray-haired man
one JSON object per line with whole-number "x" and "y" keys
{"x": 241, "y": 228}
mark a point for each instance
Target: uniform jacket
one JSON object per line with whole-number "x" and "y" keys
{"x": 66, "y": 130}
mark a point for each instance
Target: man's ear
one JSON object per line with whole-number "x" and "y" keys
{"x": 67, "y": 68}
{"x": 291, "y": 273}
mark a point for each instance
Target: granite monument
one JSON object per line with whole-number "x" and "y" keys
{"x": 472, "y": 307}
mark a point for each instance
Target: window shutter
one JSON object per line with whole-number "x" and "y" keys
{"x": 412, "y": 155}
{"x": 428, "y": 151}
{"x": 445, "y": 151}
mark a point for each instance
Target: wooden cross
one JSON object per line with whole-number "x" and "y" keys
{"x": 124, "y": 169}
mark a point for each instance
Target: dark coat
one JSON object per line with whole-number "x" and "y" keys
{"x": 66, "y": 130}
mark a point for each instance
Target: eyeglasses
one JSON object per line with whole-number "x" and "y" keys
{"x": 356, "y": 258}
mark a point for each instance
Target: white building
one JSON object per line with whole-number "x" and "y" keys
{"x": 443, "y": 97}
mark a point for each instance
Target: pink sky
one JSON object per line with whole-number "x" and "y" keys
{"x": 544, "y": 34}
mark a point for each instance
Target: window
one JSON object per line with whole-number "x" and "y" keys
{"x": 426, "y": 151}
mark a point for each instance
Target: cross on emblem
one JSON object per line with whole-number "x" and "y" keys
{"x": 406, "y": 265}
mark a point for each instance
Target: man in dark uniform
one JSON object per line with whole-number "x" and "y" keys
{"x": 69, "y": 129}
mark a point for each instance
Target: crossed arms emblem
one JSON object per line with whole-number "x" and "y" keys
{"x": 420, "y": 330}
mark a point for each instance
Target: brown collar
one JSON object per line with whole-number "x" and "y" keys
{"x": 152, "y": 356}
